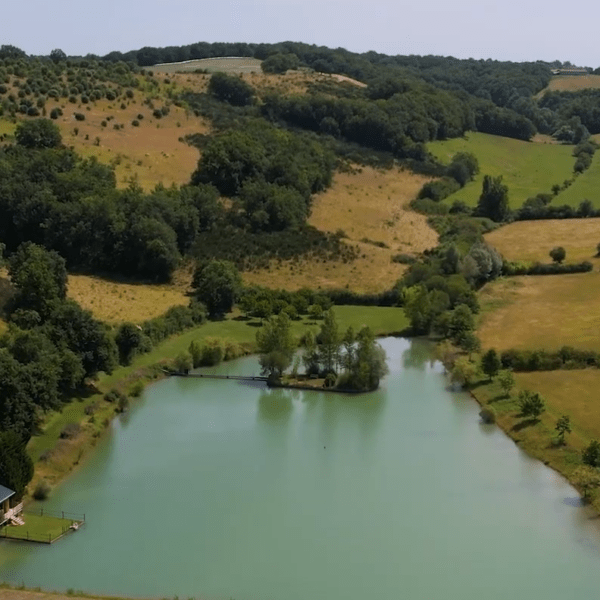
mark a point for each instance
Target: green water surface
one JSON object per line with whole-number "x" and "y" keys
{"x": 217, "y": 489}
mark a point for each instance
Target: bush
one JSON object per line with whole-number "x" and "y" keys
{"x": 70, "y": 431}
{"x": 122, "y": 404}
{"x": 135, "y": 123}
{"x": 404, "y": 259}
{"x": 114, "y": 396}
{"x": 79, "y": 116}
{"x": 136, "y": 389}
{"x": 488, "y": 415}
{"x": 42, "y": 490}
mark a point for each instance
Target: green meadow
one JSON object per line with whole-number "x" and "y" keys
{"x": 585, "y": 187}
{"x": 528, "y": 168}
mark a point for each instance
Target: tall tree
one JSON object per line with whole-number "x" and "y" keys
{"x": 218, "y": 284}
{"x": 40, "y": 278}
{"x": 275, "y": 345}
{"x": 493, "y": 202}
{"x": 38, "y": 133}
{"x": 329, "y": 342}
{"x": 16, "y": 466}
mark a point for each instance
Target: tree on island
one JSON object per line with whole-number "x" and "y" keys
{"x": 276, "y": 346}
{"x": 329, "y": 343}
{"x": 367, "y": 366}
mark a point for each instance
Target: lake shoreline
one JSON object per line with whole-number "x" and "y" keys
{"x": 74, "y": 453}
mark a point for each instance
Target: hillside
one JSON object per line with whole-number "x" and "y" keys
{"x": 370, "y": 207}
{"x": 527, "y": 168}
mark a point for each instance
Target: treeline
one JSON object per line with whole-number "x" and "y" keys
{"x": 583, "y": 106}
{"x": 398, "y": 125}
{"x": 52, "y": 345}
{"x": 484, "y": 84}
{"x": 548, "y": 360}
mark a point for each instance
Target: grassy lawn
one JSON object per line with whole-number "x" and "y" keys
{"x": 528, "y": 168}
{"x": 532, "y": 240}
{"x": 585, "y": 187}
{"x": 541, "y": 312}
{"x": 38, "y": 528}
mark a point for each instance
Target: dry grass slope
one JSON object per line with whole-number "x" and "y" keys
{"x": 541, "y": 312}
{"x": 533, "y": 240}
{"x": 116, "y": 302}
{"x": 366, "y": 204}
{"x": 570, "y": 83}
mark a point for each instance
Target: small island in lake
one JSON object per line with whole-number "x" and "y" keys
{"x": 353, "y": 362}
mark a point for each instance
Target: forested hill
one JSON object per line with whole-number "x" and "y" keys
{"x": 506, "y": 84}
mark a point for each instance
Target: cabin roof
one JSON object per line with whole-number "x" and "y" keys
{"x": 5, "y": 493}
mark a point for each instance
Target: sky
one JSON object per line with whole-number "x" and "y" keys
{"x": 517, "y": 30}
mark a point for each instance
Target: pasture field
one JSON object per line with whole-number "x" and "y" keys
{"x": 528, "y": 168}
{"x": 531, "y": 241}
{"x": 585, "y": 187}
{"x": 572, "y": 83}
{"x": 232, "y": 65}
{"x": 545, "y": 311}
{"x": 116, "y": 302}
{"x": 370, "y": 207}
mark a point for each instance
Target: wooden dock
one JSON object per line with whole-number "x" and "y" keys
{"x": 234, "y": 377}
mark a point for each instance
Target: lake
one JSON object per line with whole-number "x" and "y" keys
{"x": 220, "y": 489}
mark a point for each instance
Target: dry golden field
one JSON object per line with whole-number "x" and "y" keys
{"x": 292, "y": 82}
{"x": 115, "y": 302}
{"x": 368, "y": 204}
{"x": 544, "y": 311}
{"x": 152, "y": 153}
{"x": 533, "y": 240}
{"x": 571, "y": 83}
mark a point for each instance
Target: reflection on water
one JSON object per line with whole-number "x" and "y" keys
{"x": 274, "y": 405}
{"x": 219, "y": 489}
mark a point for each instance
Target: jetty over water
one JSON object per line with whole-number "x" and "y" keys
{"x": 235, "y": 377}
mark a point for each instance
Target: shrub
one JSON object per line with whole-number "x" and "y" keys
{"x": 122, "y": 404}
{"x": 79, "y": 116}
{"x": 488, "y": 415}
{"x": 136, "y": 389}
{"x": 135, "y": 123}
{"x": 70, "y": 431}
{"x": 183, "y": 362}
{"x": 404, "y": 259}
{"x": 42, "y": 490}
{"x": 330, "y": 380}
